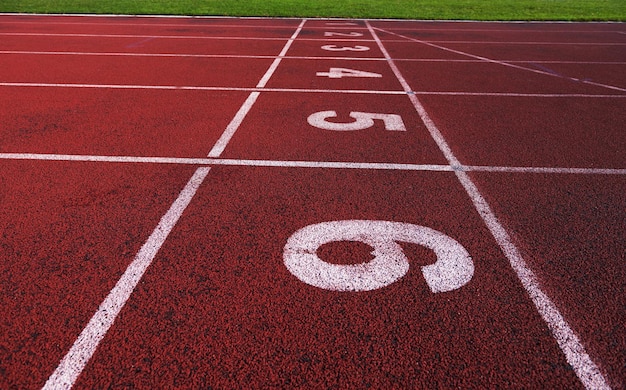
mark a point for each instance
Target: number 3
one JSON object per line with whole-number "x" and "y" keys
{"x": 345, "y": 48}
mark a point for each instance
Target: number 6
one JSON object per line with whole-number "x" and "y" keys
{"x": 453, "y": 269}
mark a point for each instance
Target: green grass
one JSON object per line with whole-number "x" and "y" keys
{"x": 614, "y": 10}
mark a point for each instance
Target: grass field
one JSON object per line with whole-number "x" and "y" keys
{"x": 588, "y": 10}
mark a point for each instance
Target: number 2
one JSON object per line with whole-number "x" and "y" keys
{"x": 339, "y": 34}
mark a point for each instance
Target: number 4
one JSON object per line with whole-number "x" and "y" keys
{"x": 337, "y": 73}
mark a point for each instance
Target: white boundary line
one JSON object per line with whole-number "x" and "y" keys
{"x": 504, "y": 63}
{"x": 207, "y": 37}
{"x": 217, "y": 38}
{"x": 192, "y": 88}
{"x": 574, "y": 351}
{"x": 303, "y": 90}
{"x": 398, "y": 21}
{"x": 215, "y": 161}
{"x": 231, "y": 56}
{"x": 84, "y": 347}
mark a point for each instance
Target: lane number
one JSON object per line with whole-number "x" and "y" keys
{"x": 340, "y": 24}
{"x": 453, "y": 269}
{"x": 362, "y": 120}
{"x": 337, "y": 73}
{"x": 340, "y": 34}
{"x": 345, "y": 48}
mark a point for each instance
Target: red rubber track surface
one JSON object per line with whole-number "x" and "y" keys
{"x": 103, "y": 121}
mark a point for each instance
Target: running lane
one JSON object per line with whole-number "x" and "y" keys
{"x": 544, "y": 128}
{"x": 348, "y": 234}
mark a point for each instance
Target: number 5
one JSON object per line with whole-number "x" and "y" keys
{"x": 363, "y": 120}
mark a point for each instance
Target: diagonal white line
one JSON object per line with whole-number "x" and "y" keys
{"x": 586, "y": 370}
{"x": 503, "y": 63}
{"x": 84, "y": 347}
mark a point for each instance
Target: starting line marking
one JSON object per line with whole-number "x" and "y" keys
{"x": 190, "y": 55}
{"x": 303, "y": 90}
{"x": 307, "y": 164}
{"x": 86, "y": 35}
{"x": 586, "y": 370}
{"x": 158, "y": 18}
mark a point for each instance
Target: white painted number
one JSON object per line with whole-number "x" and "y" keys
{"x": 340, "y": 34}
{"x": 453, "y": 269}
{"x": 363, "y": 120}
{"x": 337, "y": 73}
{"x": 345, "y": 48}
{"x": 340, "y": 24}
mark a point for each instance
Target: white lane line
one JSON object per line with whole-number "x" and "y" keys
{"x": 211, "y": 37}
{"x": 213, "y": 161}
{"x": 84, "y": 347}
{"x": 404, "y": 39}
{"x": 193, "y": 88}
{"x": 489, "y": 30}
{"x": 509, "y": 61}
{"x": 230, "y": 56}
{"x": 304, "y": 90}
{"x": 574, "y": 351}
{"x": 78, "y": 35}
{"x": 558, "y": 170}
{"x": 148, "y": 24}
{"x": 538, "y": 43}
{"x": 48, "y": 21}
{"x": 515, "y": 94}
{"x": 245, "y": 108}
{"x": 506, "y": 63}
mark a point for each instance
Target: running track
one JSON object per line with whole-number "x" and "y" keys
{"x": 252, "y": 203}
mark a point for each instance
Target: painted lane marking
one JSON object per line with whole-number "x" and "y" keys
{"x": 303, "y": 90}
{"x": 587, "y": 371}
{"x": 219, "y": 147}
{"x": 308, "y": 164}
{"x": 131, "y": 54}
{"x": 538, "y": 43}
{"x": 78, "y": 35}
{"x": 362, "y": 120}
{"x": 453, "y": 269}
{"x": 85, "y": 345}
{"x": 74, "y": 362}
{"x": 503, "y": 63}
{"x": 192, "y": 88}
{"x": 341, "y": 24}
{"x": 352, "y": 34}
{"x": 152, "y": 37}
{"x": 452, "y": 60}
{"x": 345, "y": 48}
{"x": 338, "y": 73}
{"x": 49, "y": 20}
